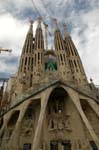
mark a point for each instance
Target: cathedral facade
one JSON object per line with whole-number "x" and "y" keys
{"x": 50, "y": 105}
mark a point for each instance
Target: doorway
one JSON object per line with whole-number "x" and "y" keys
{"x": 54, "y": 145}
{"x": 60, "y": 145}
{"x": 27, "y": 146}
{"x": 66, "y": 145}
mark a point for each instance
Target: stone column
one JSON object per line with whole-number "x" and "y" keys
{"x": 37, "y": 136}
{"x": 75, "y": 98}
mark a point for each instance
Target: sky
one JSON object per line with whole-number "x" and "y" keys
{"x": 81, "y": 17}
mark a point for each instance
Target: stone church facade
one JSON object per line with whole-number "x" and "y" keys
{"x": 50, "y": 104}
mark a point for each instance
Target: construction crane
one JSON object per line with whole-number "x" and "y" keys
{"x": 5, "y": 50}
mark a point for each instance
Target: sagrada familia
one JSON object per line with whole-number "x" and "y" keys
{"x": 49, "y": 104}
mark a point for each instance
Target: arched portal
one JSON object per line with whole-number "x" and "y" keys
{"x": 56, "y": 100}
{"x": 58, "y": 119}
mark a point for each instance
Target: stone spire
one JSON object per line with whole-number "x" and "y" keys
{"x": 62, "y": 59}
{"x": 38, "y": 53}
{"x": 75, "y": 63}
{"x": 39, "y": 41}
{"x": 59, "y": 43}
{"x": 55, "y": 24}
{"x": 26, "y": 61}
{"x": 66, "y": 34}
{"x": 28, "y": 44}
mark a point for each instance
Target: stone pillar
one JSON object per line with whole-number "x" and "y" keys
{"x": 75, "y": 98}
{"x": 37, "y": 136}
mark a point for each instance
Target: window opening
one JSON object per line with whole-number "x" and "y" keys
{"x": 54, "y": 145}
{"x": 27, "y": 146}
{"x": 61, "y": 57}
{"x": 52, "y": 124}
{"x": 25, "y": 60}
{"x": 28, "y": 62}
{"x": 66, "y": 145}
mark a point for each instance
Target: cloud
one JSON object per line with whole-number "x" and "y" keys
{"x": 21, "y": 9}
{"x": 12, "y": 35}
{"x": 12, "y": 31}
{"x": 17, "y": 5}
{"x": 86, "y": 36}
{"x": 82, "y": 18}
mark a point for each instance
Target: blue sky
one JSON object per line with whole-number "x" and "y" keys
{"x": 81, "y": 17}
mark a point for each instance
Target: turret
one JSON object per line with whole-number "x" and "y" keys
{"x": 62, "y": 60}
{"x": 75, "y": 63}
{"x": 38, "y": 53}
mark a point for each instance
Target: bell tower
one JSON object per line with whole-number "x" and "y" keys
{"x": 38, "y": 64}
{"x": 75, "y": 63}
{"x": 62, "y": 60}
{"x": 26, "y": 62}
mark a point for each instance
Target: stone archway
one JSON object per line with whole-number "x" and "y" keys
{"x": 57, "y": 120}
{"x": 56, "y": 107}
